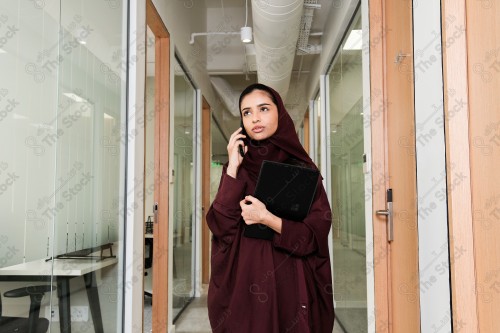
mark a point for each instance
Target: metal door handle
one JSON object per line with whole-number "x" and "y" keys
{"x": 388, "y": 212}
{"x": 155, "y": 212}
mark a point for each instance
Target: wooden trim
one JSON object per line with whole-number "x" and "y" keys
{"x": 463, "y": 282}
{"x": 205, "y": 196}
{"x": 161, "y": 235}
{"x": 377, "y": 104}
{"x": 161, "y": 195}
{"x": 154, "y": 21}
{"x": 306, "y": 131}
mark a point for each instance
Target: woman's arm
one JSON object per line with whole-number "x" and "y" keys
{"x": 311, "y": 235}
{"x": 224, "y": 215}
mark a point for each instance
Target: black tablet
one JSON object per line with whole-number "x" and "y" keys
{"x": 287, "y": 191}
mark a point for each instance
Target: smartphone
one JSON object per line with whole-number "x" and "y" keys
{"x": 241, "y": 147}
{"x": 242, "y": 151}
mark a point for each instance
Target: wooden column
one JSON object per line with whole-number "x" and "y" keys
{"x": 379, "y": 163}
{"x": 161, "y": 195}
{"x": 464, "y": 302}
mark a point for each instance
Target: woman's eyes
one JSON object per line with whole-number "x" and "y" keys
{"x": 264, "y": 108}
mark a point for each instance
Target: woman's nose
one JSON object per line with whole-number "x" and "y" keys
{"x": 255, "y": 119}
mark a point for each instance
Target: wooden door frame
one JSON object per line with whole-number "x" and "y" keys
{"x": 206, "y": 117}
{"x": 161, "y": 189}
{"x": 386, "y": 292}
{"x": 379, "y": 163}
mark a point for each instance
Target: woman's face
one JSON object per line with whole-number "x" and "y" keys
{"x": 259, "y": 114}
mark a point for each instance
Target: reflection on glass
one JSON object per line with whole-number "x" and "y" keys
{"x": 348, "y": 200}
{"x": 62, "y": 72}
{"x": 317, "y": 129}
{"x": 184, "y": 115}
{"x": 219, "y": 157}
{"x": 149, "y": 178}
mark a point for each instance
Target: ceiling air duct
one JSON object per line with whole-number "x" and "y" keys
{"x": 227, "y": 94}
{"x": 276, "y": 26}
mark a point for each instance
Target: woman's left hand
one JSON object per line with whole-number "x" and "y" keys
{"x": 255, "y": 211}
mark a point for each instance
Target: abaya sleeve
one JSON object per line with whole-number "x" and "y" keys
{"x": 306, "y": 237}
{"x": 224, "y": 215}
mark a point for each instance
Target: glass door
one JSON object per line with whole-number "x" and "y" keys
{"x": 184, "y": 190}
{"x": 346, "y": 149}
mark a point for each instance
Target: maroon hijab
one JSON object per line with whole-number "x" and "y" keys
{"x": 281, "y": 146}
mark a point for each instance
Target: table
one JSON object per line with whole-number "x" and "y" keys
{"x": 63, "y": 270}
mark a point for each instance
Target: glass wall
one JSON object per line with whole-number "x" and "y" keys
{"x": 347, "y": 183}
{"x": 62, "y": 115}
{"x": 149, "y": 178}
{"x": 184, "y": 195}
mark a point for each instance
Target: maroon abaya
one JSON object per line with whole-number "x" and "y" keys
{"x": 262, "y": 286}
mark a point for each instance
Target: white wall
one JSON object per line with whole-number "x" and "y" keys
{"x": 435, "y": 303}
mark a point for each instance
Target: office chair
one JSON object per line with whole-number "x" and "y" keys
{"x": 32, "y": 324}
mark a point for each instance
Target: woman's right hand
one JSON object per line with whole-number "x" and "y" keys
{"x": 235, "y": 158}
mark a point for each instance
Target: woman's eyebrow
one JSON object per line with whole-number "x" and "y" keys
{"x": 258, "y": 105}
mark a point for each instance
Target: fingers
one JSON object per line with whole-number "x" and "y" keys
{"x": 242, "y": 204}
{"x": 252, "y": 199}
{"x": 237, "y": 135}
{"x": 252, "y": 210}
{"x": 234, "y": 138}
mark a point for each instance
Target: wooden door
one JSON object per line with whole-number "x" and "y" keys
{"x": 394, "y": 166}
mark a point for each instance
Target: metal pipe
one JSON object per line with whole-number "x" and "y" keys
{"x": 194, "y": 34}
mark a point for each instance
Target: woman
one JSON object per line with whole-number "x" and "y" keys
{"x": 256, "y": 285}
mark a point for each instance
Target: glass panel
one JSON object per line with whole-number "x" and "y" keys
{"x": 28, "y": 112}
{"x": 184, "y": 125}
{"x": 219, "y": 157}
{"x": 63, "y": 96}
{"x": 348, "y": 200}
{"x": 149, "y": 178}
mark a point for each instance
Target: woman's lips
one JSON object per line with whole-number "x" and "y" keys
{"x": 257, "y": 129}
